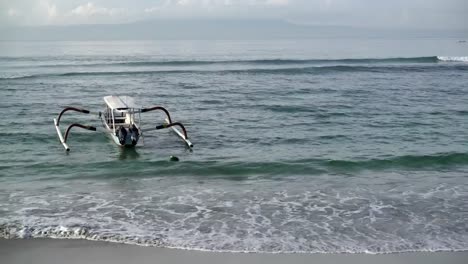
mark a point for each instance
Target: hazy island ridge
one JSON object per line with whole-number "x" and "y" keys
{"x": 208, "y": 29}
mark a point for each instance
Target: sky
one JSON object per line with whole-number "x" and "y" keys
{"x": 417, "y": 14}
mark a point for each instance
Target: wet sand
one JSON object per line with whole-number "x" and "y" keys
{"x": 50, "y": 251}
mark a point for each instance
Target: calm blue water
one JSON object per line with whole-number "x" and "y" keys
{"x": 337, "y": 145}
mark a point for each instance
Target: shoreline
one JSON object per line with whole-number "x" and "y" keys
{"x": 44, "y": 250}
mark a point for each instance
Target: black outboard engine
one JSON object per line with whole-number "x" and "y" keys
{"x": 122, "y": 134}
{"x": 134, "y": 134}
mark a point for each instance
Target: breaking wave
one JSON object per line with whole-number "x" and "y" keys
{"x": 288, "y": 71}
{"x": 73, "y": 66}
{"x": 137, "y": 61}
{"x": 452, "y": 59}
{"x": 238, "y": 171}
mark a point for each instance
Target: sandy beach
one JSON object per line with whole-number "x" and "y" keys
{"x": 38, "y": 251}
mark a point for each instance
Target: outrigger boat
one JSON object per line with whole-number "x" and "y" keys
{"x": 121, "y": 121}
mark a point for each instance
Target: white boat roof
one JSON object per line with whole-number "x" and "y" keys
{"x": 120, "y": 102}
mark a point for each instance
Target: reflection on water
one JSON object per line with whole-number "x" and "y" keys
{"x": 128, "y": 153}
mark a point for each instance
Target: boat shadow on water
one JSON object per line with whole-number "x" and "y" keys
{"x": 128, "y": 153}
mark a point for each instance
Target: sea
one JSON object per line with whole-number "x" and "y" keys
{"x": 311, "y": 145}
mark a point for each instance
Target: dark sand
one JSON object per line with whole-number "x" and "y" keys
{"x": 50, "y": 251}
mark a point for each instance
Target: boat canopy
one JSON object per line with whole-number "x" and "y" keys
{"x": 121, "y": 102}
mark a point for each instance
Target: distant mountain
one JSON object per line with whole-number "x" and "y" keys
{"x": 202, "y": 29}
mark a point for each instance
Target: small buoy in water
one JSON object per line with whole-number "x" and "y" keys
{"x": 173, "y": 158}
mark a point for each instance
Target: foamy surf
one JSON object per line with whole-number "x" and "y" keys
{"x": 347, "y": 246}
{"x": 453, "y": 58}
{"x": 253, "y": 216}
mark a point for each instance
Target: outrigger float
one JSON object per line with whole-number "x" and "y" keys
{"x": 121, "y": 121}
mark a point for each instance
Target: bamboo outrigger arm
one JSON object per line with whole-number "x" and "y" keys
{"x": 169, "y": 123}
{"x": 183, "y": 135}
{"x": 174, "y": 124}
{"x": 84, "y": 111}
{"x": 143, "y": 110}
{"x": 80, "y": 126}
{"x": 63, "y": 139}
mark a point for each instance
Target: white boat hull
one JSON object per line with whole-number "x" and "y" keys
{"x": 129, "y": 140}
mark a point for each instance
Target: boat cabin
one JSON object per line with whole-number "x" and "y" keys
{"x": 121, "y": 111}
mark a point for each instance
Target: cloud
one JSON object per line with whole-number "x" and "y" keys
{"x": 203, "y": 3}
{"x": 184, "y": 2}
{"x": 50, "y": 9}
{"x": 152, "y": 9}
{"x": 213, "y": 8}
{"x": 174, "y": 4}
{"x": 277, "y": 2}
{"x": 90, "y": 9}
{"x": 12, "y": 12}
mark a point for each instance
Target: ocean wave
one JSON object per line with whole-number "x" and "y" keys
{"x": 285, "y": 70}
{"x": 61, "y": 232}
{"x": 129, "y": 61}
{"x": 18, "y": 231}
{"x": 280, "y": 66}
{"x": 96, "y": 61}
{"x": 273, "y": 62}
{"x": 452, "y": 58}
{"x": 404, "y": 162}
{"x": 242, "y": 170}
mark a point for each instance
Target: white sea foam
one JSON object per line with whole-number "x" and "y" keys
{"x": 453, "y": 58}
{"x": 295, "y": 217}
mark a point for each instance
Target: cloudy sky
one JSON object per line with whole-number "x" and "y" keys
{"x": 434, "y": 14}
